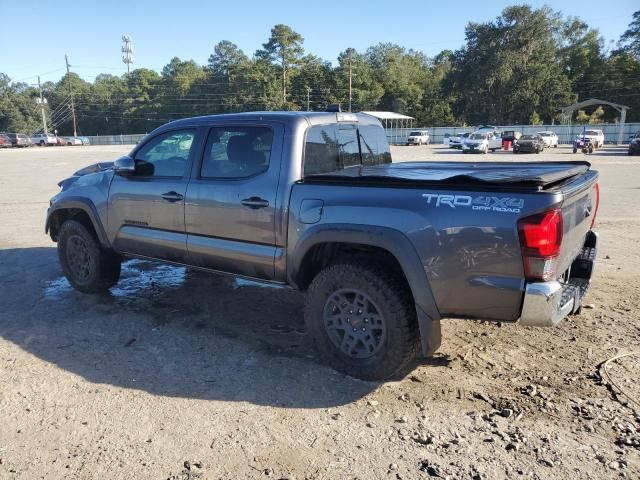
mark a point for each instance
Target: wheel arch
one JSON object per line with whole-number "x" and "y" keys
{"x": 322, "y": 244}
{"x": 76, "y": 208}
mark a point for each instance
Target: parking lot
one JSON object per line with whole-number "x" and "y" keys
{"x": 180, "y": 374}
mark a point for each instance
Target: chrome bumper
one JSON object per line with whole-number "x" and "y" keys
{"x": 547, "y": 303}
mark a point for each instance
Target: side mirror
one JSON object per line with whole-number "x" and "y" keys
{"x": 124, "y": 166}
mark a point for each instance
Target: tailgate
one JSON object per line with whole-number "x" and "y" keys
{"x": 579, "y": 207}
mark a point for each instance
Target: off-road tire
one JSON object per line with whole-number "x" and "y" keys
{"x": 102, "y": 267}
{"x": 391, "y": 295}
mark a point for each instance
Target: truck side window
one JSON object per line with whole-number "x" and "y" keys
{"x": 237, "y": 152}
{"x": 165, "y": 155}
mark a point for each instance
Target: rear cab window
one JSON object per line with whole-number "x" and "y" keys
{"x": 335, "y": 147}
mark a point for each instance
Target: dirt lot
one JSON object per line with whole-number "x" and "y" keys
{"x": 181, "y": 375}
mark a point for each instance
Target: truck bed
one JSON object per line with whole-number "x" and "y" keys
{"x": 527, "y": 175}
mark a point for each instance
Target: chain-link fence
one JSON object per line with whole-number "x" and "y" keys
{"x": 566, "y": 133}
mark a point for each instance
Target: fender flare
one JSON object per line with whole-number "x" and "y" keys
{"x": 86, "y": 206}
{"x": 396, "y": 243}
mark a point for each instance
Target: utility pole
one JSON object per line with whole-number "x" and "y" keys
{"x": 349, "y": 80}
{"x": 73, "y": 108}
{"x": 308, "y": 93}
{"x": 42, "y": 101}
{"x": 284, "y": 79}
{"x": 127, "y": 51}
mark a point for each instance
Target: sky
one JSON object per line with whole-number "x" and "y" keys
{"x": 89, "y": 32}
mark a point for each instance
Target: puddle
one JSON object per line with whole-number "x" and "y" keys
{"x": 57, "y": 288}
{"x": 243, "y": 282}
{"x": 138, "y": 278}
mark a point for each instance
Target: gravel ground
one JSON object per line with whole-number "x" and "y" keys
{"x": 180, "y": 375}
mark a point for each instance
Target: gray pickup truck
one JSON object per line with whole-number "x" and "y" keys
{"x": 312, "y": 200}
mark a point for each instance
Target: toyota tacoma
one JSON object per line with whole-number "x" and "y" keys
{"x": 383, "y": 250}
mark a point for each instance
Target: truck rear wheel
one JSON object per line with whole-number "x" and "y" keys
{"x": 88, "y": 267}
{"x": 362, "y": 320}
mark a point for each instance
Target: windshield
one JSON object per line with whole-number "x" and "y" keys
{"x": 545, "y": 134}
{"x": 415, "y": 134}
{"x": 592, "y": 132}
{"x": 477, "y": 136}
{"x": 528, "y": 137}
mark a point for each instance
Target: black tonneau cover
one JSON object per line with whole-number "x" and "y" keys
{"x": 532, "y": 174}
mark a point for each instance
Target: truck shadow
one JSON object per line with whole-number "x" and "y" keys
{"x": 170, "y": 331}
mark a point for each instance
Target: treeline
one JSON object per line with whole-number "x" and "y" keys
{"x": 518, "y": 69}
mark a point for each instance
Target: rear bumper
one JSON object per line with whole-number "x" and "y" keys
{"x": 547, "y": 303}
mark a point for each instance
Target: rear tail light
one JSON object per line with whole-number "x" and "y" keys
{"x": 540, "y": 241}
{"x": 595, "y": 210}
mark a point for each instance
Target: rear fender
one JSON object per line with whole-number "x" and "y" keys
{"x": 395, "y": 243}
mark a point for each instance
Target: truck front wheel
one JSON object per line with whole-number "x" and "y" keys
{"x": 362, "y": 320}
{"x": 88, "y": 267}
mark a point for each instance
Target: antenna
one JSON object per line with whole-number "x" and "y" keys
{"x": 127, "y": 51}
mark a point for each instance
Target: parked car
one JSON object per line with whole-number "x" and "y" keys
{"x": 482, "y": 142}
{"x": 73, "y": 141}
{"x": 583, "y": 143}
{"x": 529, "y": 144}
{"x": 230, "y": 193}
{"x": 5, "y": 141}
{"x": 418, "y": 137}
{"x": 596, "y": 137}
{"x": 44, "y": 139}
{"x": 85, "y": 140}
{"x": 634, "y": 145}
{"x": 19, "y": 139}
{"x": 549, "y": 138}
{"x": 456, "y": 139}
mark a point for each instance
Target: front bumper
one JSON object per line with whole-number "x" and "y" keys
{"x": 525, "y": 148}
{"x": 473, "y": 148}
{"x": 547, "y": 303}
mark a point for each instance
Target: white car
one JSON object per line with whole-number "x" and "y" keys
{"x": 550, "y": 139}
{"x": 73, "y": 141}
{"x": 596, "y": 137}
{"x": 457, "y": 139}
{"x": 418, "y": 137}
{"x": 482, "y": 141}
{"x": 44, "y": 139}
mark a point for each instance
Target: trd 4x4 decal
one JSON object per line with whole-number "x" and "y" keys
{"x": 483, "y": 203}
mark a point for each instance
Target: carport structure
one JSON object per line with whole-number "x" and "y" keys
{"x": 567, "y": 112}
{"x": 393, "y": 123}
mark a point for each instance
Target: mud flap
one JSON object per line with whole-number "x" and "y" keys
{"x": 430, "y": 334}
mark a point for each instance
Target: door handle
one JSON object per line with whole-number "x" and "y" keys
{"x": 172, "y": 196}
{"x": 255, "y": 202}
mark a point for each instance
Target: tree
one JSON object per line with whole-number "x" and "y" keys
{"x": 314, "y": 80}
{"x": 284, "y": 47}
{"x": 19, "y": 111}
{"x": 630, "y": 39}
{"x": 366, "y": 90}
{"x": 508, "y": 69}
{"x": 534, "y": 119}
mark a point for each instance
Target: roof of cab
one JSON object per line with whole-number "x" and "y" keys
{"x": 291, "y": 118}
